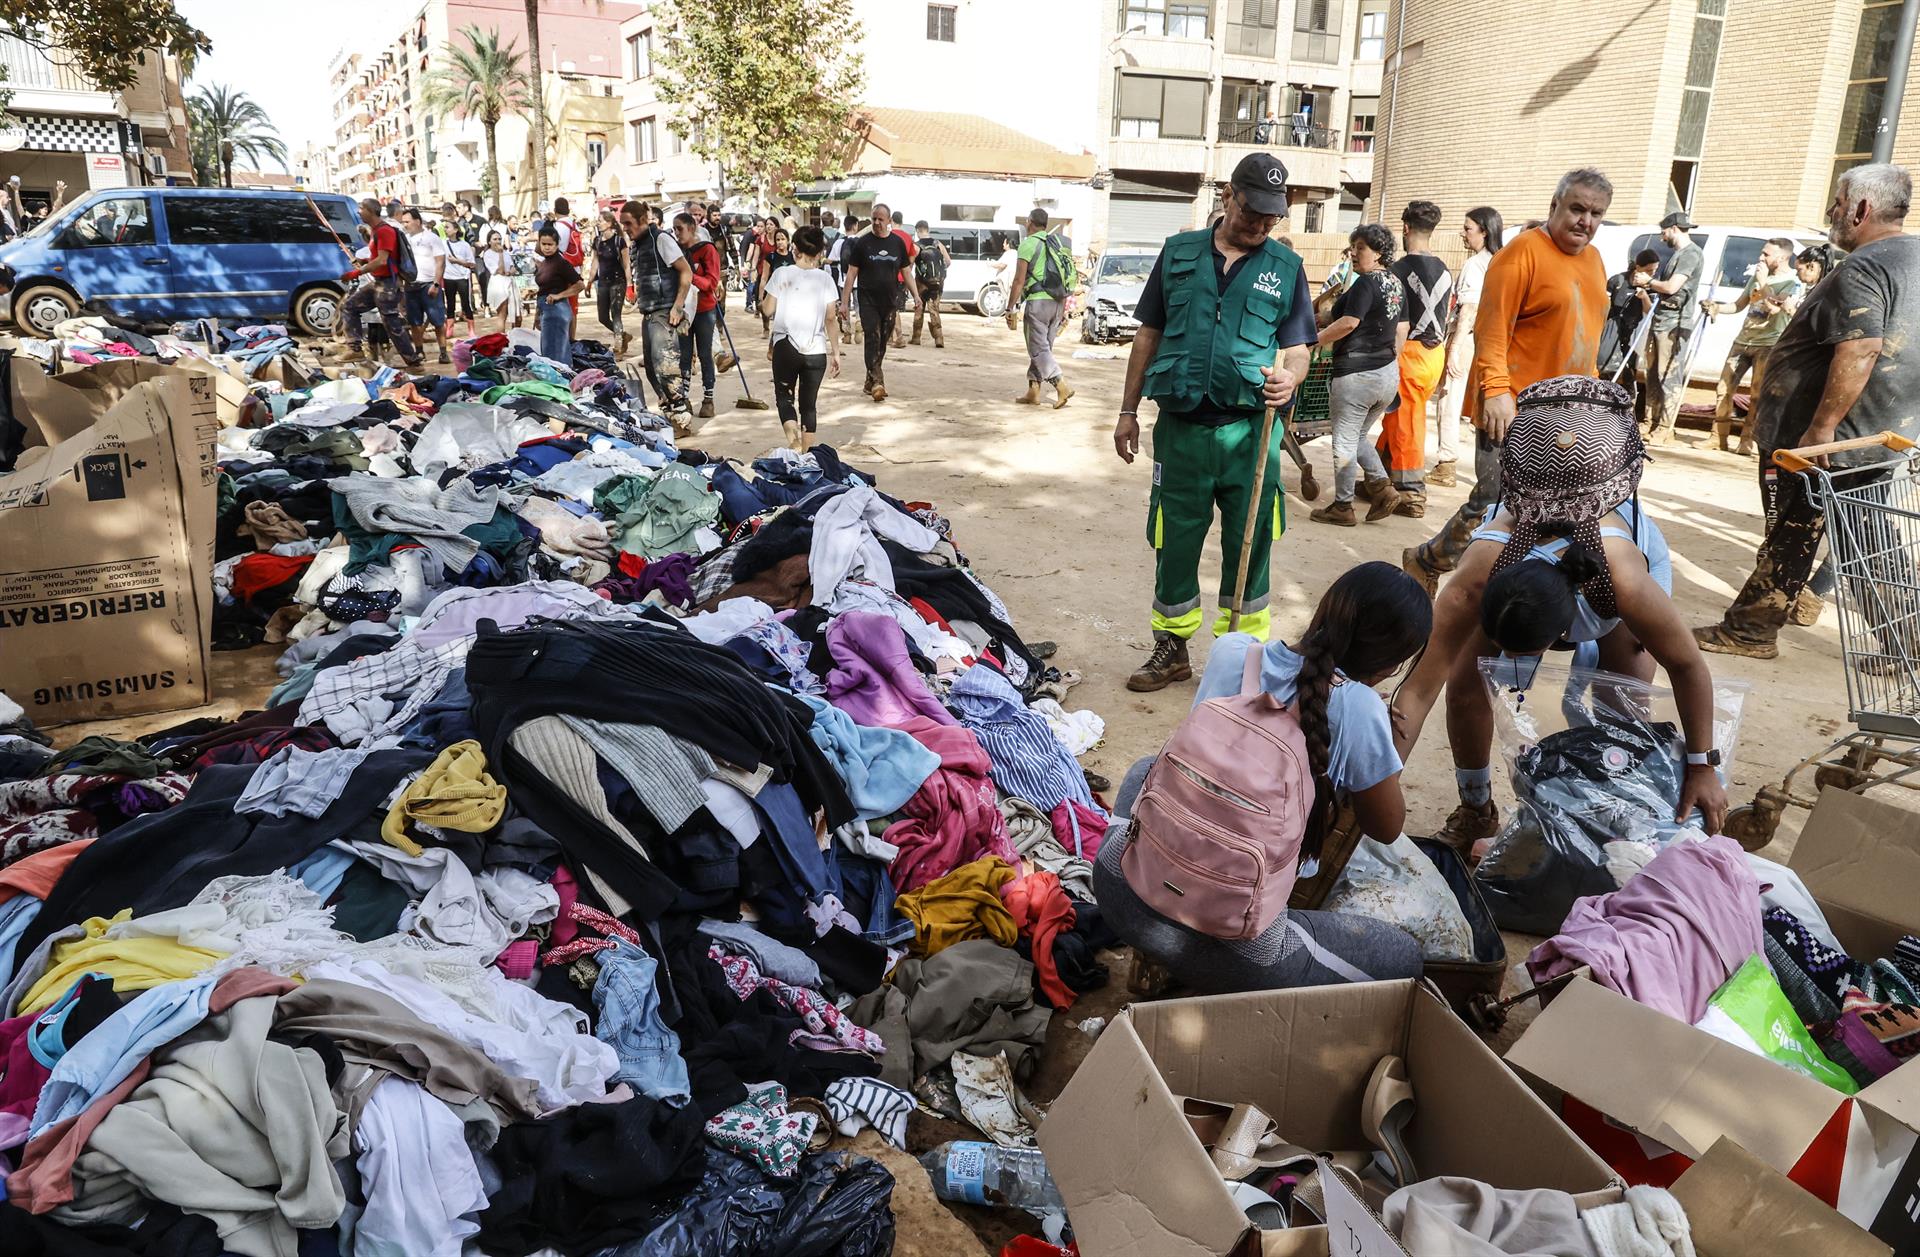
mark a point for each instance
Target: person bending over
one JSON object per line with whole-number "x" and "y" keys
{"x": 1568, "y": 557}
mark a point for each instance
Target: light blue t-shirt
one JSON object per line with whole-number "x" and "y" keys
{"x": 1360, "y": 755}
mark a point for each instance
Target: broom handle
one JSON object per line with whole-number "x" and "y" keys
{"x": 1253, "y": 513}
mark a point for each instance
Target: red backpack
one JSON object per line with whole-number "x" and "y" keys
{"x": 1218, "y": 825}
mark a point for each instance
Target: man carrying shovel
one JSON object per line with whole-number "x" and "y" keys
{"x": 1226, "y": 327}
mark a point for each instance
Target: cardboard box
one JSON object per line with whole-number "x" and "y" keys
{"x": 106, "y": 545}
{"x": 1138, "y": 1183}
{"x": 1686, "y": 1090}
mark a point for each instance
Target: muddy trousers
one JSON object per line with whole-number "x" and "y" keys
{"x": 1441, "y": 552}
{"x": 1785, "y": 563}
{"x": 878, "y": 317}
{"x": 390, "y": 298}
{"x": 1403, "y": 430}
{"x": 927, "y": 314}
{"x": 1197, "y": 471}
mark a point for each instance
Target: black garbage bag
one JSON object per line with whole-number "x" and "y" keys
{"x": 836, "y": 1205}
{"x": 1578, "y": 790}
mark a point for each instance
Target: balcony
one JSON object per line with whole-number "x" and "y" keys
{"x": 43, "y": 83}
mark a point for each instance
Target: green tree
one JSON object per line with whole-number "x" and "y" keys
{"x": 766, "y": 88}
{"x": 105, "y": 38}
{"x": 226, "y": 124}
{"x": 539, "y": 110}
{"x": 486, "y": 80}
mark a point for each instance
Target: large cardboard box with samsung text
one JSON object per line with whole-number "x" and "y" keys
{"x": 106, "y": 542}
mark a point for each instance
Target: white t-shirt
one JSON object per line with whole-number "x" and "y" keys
{"x": 802, "y": 296}
{"x": 427, "y": 245}
{"x": 1473, "y": 278}
{"x": 459, "y": 259}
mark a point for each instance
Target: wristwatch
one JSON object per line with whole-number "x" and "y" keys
{"x": 1703, "y": 759}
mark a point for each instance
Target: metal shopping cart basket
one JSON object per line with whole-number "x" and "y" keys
{"x": 1873, "y": 535}
{"x": 1311, "y": 418}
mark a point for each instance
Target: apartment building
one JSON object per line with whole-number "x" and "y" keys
{"x": 63, "y": 128}
{"x": 388, "y": 144}
{"x": 1187, "y": 88}
{"x": 969, "y": 106}
{"x": 1741, "y": 113}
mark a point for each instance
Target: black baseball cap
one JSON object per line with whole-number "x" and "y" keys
{"x": 1676, "y": 219}
{"x": 1261, "y": 183}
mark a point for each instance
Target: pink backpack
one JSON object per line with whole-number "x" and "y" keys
{"x": 1218, "y": 825}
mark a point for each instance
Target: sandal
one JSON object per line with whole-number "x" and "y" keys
{"x": 1384, "y": 1115}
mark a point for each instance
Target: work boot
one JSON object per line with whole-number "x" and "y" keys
{"x": 1340, "y": 513}
{"x": 1412, "y": 504}
{"x": 1062, "y": 394}
{"x": 723, "y": 362}
{"x": 1715, "y": 640}
{"x": 1410, "y": 564}
{"x": 1385, "y": 499}
{"x": 1469, "y": 823}
{"x": 706, "y": 406}
{"x": 1168, "y": 663}
{"x": 1031, "y": 397}
{"x": 1806, "y": 609}
{"x": 790, "y": 430}
{"x": 1444, "y": 474}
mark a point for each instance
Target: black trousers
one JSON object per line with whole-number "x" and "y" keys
{"x": 878, "y": 313}
{"x": 797, "y": 375}
{"x": 460, "y": 298}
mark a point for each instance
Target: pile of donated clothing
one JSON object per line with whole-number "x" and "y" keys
{"x": 630, "y": 827}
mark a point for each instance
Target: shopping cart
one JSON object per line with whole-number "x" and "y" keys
{"x": 1873, "y": 534}
{"x": 1310, "y": 419}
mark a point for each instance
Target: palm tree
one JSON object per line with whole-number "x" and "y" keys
{"x": 539, "y": 110}
{"x": 228, "y": 124}
{"x": 484, "y": 80}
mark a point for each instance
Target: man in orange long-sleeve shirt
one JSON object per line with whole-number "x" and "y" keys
{"x": 1541, "y": 314}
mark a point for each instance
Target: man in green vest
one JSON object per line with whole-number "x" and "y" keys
{"x": 1221, "y": 305}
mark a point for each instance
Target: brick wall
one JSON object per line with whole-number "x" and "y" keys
{"x": 1498, "y": 99}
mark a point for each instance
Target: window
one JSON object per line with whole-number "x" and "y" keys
{"x": 1366, "y": 110}
{"x": 1866, "y": 86}
{"x": 1147, "y": 108}
{"x": 1250, "y": 26}
{"x": 113, "y": 220}
{"x": 940, "y": 22}
{"x": 1316, "y": 30}
{"x": 641, "y": 129}
{"x": 1373, "y": 30}
{"x": 243, "y": 220}
{"x": 1182, "y": 19}
{"x": 596, "y": 152}
{"x": 1738, "y": 257}
{"x": 966, "y": 213}
{"x": 640, "y": 55}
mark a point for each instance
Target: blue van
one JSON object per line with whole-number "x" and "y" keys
{"x": 172, "y": 254}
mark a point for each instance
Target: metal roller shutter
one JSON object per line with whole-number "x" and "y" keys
{"x": 1146, "y": 220}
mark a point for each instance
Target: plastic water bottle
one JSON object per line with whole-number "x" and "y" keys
{"x": 987, "y": 1174}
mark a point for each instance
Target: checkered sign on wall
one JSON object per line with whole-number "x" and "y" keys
{"x": 56, "y": 133}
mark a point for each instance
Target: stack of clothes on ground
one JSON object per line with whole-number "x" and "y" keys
{"x": 629, "y": 825}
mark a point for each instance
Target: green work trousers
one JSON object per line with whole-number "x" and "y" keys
{"x": 1196, "y": 470}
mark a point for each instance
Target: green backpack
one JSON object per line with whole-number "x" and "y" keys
{"x": 1054, "y": 273}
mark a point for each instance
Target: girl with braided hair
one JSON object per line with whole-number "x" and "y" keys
{"x": 1567, "y": 560}
{"x": 1370, "y": 622}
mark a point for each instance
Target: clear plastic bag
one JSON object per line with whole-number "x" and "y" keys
{"x": 1604, "y": 764}
{"x": 1398, "y": 884}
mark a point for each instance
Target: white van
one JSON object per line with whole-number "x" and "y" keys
{"x": 975, "y": 280}
{"x": 1732, "y": 253}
